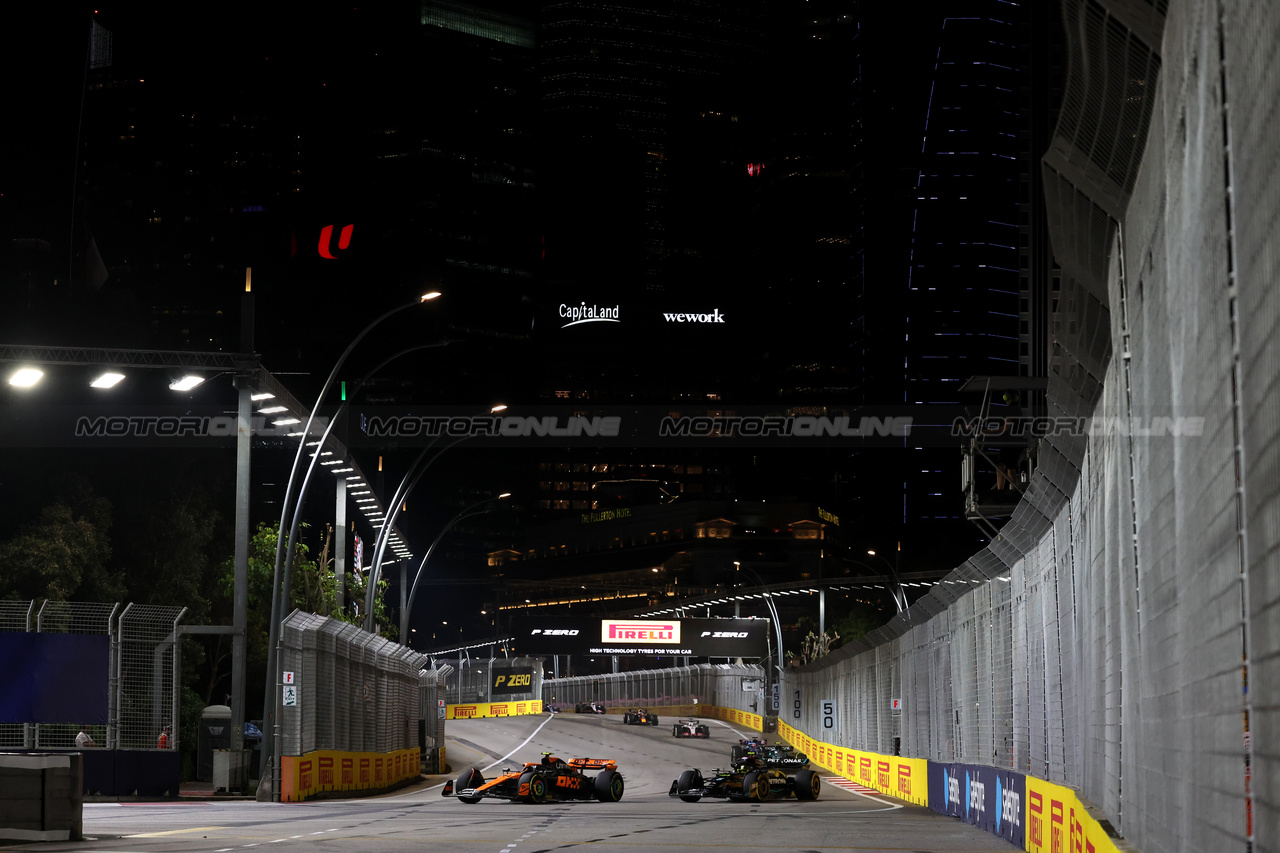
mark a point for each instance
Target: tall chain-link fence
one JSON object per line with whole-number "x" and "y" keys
{"x": 478, "y": 679}
{"x": 738, "y": 686}
{"x": 16, "y": 616}
{"x": 148, "y": 671}
{"x": 1119, "y": 635}
{"x": 143, "y": 677}
{"x": 349, "y": 689}
{"x": 76, "y": 617}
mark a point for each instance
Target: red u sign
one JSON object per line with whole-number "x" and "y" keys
{"x": 326, "y": 235}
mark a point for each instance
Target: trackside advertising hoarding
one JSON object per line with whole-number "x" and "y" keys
{"x": 567, "y": 635}
{"x": 994, "y": 800}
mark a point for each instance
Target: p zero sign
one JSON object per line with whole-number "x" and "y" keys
{"x": 565, "y": 635}
{"x": 517, "y": 679}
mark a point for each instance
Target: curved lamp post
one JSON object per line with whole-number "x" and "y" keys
{"x": 286, "y": 583}
{"x": 773, "y": 610}
{"x": 406, "y": 487}
{"x": 469, "y": 512}
{"x": 899, "y": 594}
{"x": 271, "y": 695}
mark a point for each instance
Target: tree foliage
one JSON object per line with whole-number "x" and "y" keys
{"x": 64, "y": 554}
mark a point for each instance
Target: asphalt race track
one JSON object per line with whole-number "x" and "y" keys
{"x": 646, "y": 819}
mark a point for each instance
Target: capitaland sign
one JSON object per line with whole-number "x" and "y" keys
{"x": 584, "y": 313}
{"x": 633, "y": 631}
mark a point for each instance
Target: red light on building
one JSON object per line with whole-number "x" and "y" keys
{"x": 754, "y": 169}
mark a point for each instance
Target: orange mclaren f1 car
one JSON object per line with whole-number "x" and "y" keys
{"x": 551, "y": 780}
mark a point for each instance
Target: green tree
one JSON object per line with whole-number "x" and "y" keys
{"x": 313, "y": 589}
{"x": 64, "y": 554}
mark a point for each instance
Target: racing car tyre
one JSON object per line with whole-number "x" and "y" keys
{"x": 470, "y": 778}
{"x": 688, "y": 779}
{"x": 608, "y": 786}
{"x": 537, "y": 787}
{"x": 675, "y": 731}
{"x": 808, "y": 785}
{"x": 626, "y": 719}
{"x": 703, "y": 730}
{"x": 755, "y": 786}
{"x": 653, "y": 721}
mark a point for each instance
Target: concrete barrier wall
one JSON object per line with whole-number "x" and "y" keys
{"x": 40, "y": 797}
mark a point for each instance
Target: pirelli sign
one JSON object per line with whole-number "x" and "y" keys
{"x": 631, "y": 631}
{"x": 743, "y": 638}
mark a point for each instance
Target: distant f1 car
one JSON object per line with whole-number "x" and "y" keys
{"x": 551, "y": 780}
{"x": 779, "y": 755}
{"x": 639, "y": 717}
{"x": 589, "y": 708}
{"x": 690, "y": 728}
{"x": 750, "y": 781}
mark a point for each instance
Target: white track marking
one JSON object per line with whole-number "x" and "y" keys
{"x": 490, "y": 767}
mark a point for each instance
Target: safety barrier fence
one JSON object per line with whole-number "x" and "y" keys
{"x": 1030, "y": 813}
{"x": 352, "y": 709}
{"x": 121, "y": 688}
{"x": 1115, "y": 644}
{"x": 730, "y": 686}
{"x": 494, "y": 679}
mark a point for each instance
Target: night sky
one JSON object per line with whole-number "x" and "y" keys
{"x": 334, "y": 71}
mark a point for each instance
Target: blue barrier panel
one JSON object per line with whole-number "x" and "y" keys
{"x": 54, "y": 678}
{"x": 988, "y": 798}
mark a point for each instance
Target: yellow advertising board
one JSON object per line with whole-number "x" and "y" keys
{"x": 746, "y": 719}
{"x": 904, "y": 778}
{"x": 1057, "y": 822}
{"x": 332, "y": 770}
{"x": 1055, "y": 819}
{"x": 481, "y": 710}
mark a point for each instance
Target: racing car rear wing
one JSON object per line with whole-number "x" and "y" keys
{"x": 593, "y": 764}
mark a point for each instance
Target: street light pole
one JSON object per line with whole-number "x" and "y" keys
{"x": 466, "y": 513}
{"x": 406, "y": 487}
{"x": 277, "y": 604}
{"x": 773, "y": 610}
{"x": 899, "y": 594}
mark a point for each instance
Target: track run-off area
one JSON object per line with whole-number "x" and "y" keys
{"x": 844, "y": 818}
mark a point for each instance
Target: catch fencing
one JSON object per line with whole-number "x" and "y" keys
{"x": 736, "y": 686}
{"x": 144, "y": 666}
{"x": 352, "y": 690}
{"x": 473, "y": 680}
{"x": 1118, "y": 636}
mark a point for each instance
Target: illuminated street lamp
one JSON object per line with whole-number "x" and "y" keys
{"x": 186, "y": 383}
{"x": 899, "y": 594}
{"x": 406, "y": 487}
{"x": 470, "y": 511}
{"x": 107, "y": 380}
{"x": 25, "y": 377}
{"x": 279, "y": 578}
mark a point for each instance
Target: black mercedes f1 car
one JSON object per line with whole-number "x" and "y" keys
{"x": 750, "y": 781}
